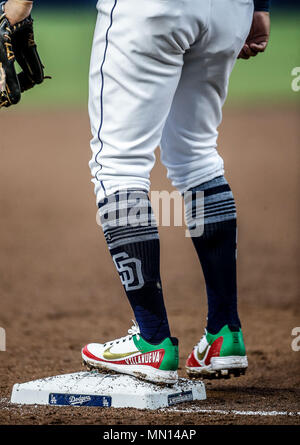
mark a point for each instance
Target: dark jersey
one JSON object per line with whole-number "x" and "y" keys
{"x": 262, "y": 5}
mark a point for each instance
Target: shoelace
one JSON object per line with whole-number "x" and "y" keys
{"x": 203, "y": 336}
{"x": 8, "y": 45}
{"x": 134, "y": 330}
{"x": 7, "y": 36}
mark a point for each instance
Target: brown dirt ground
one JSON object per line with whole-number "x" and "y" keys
{"x": 59, "y": 288}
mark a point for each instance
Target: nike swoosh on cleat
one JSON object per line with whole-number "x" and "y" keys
{"x": 111, "y": 356}
{"x": 201, "y": 355}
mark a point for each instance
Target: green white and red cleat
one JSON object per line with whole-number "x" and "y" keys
{"x": 218, "y": 356}
{"x": 135, "y": 356}
{"x": 215, "y": 356}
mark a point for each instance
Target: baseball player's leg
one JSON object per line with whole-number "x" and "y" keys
{"x": 149, "y": 351}
{"x": 189, "y": 151}
{"x": 135, "y": 68}
{"x": 134, "y": 72}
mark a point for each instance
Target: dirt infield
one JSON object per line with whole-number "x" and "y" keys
{"x": 59, "y": 288}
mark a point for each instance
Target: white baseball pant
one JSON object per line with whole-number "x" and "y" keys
{"x": 159, "y": 75}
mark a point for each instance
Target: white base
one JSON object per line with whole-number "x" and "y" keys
{"x": 104, "y": 390}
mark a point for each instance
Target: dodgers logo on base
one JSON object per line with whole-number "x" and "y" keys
{"x": 79, "y": 400}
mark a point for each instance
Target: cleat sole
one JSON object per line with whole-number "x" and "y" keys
{"x": 224, "y": 374}
{"x": 160, "y": 378}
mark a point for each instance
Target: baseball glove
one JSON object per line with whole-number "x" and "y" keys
{"x": 17, "y": 44}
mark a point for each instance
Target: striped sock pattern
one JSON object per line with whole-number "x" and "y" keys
{"x": 213, "y": 204}
{"x": 131, "y": 233}
{"x": 127, "y": 217}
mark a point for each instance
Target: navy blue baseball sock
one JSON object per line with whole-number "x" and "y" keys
{"x": 131, "y": 233}
{"x": 216, "y": 248}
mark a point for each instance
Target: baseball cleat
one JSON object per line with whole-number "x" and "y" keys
{"x": 218, "y": 356}
{"x": 135, "y": 356}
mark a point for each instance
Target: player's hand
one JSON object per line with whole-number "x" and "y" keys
{"x": 258, "y": 37}
{"x": 17, "y": 10}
